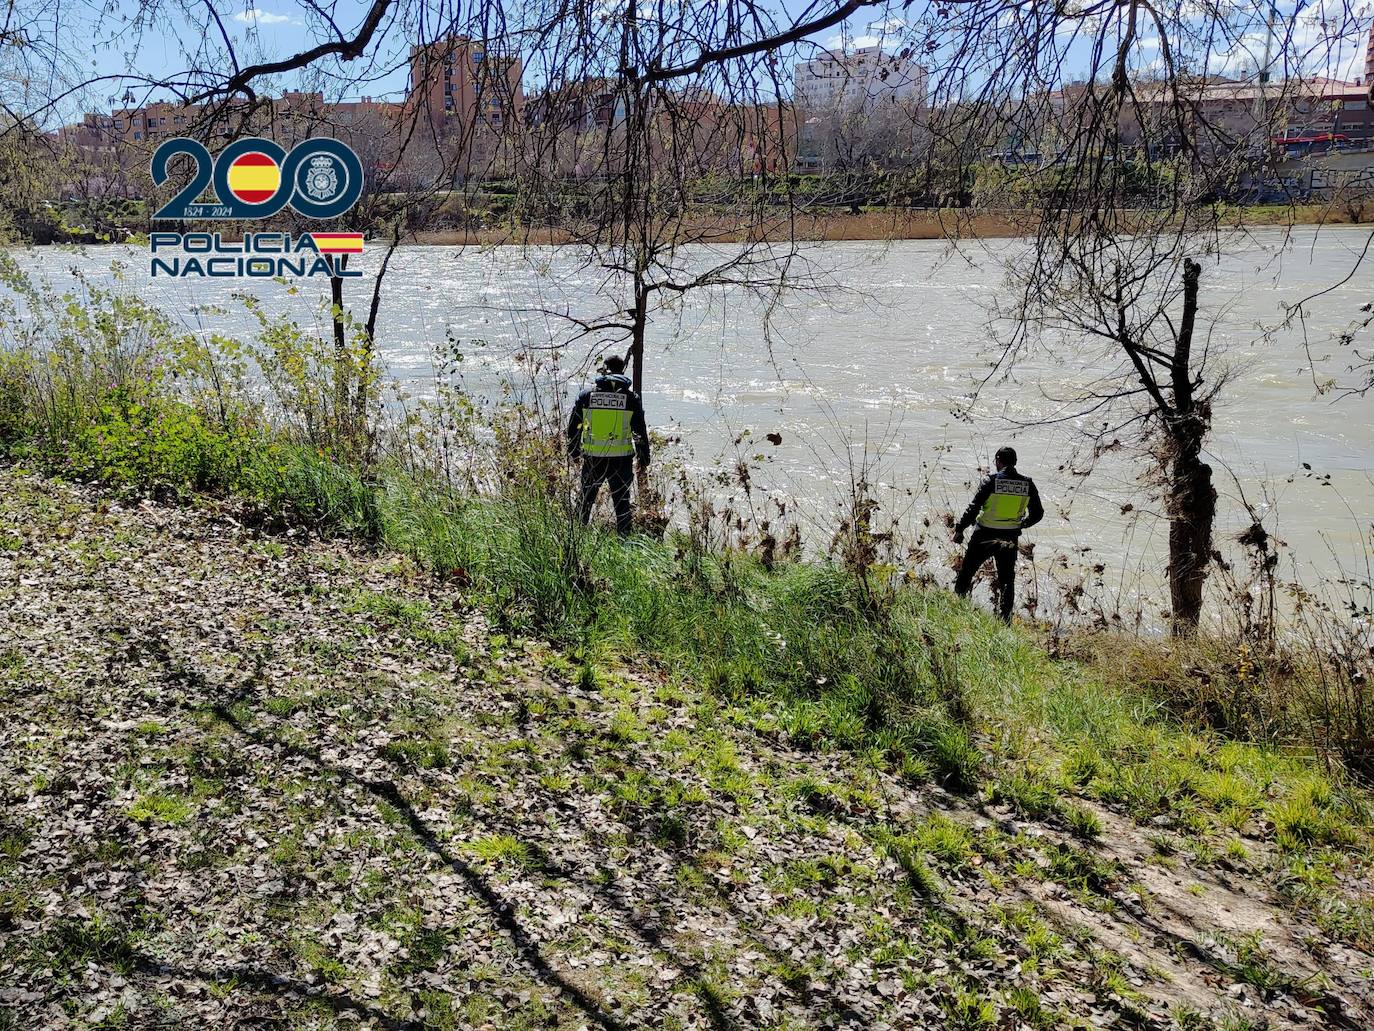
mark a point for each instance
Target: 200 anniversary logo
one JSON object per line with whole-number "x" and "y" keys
{"x": 257, "y": 178}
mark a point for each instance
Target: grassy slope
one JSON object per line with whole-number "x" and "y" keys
{"x": 246, "y": 775}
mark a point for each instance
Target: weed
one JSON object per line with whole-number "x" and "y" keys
{"x": 72, "y": 943}
{"x": 1083, "y": 823}
{"x": 426, "y": 755}
{"x": 905, "y": 851}
{"x": 1027, "y": 1005}
{"x": 161, "y": 807}
{"x": 968, "y": 1011}
{"x": 503, "y": 850}
{"x": 1079, "y": 868}
{"x": 1027, "y": 795}
{"x": 949, "y": 843}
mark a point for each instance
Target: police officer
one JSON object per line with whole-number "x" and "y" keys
{"x": 606, "y": 430}
{"x": 1005, "y": 504}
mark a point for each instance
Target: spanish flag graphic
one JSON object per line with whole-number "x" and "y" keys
{"x": 339, "y": 243}
{"x": 254, "y": 177}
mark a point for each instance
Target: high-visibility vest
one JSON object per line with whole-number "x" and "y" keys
{"x": 606, "y": 425}
{"x": 1006, "y": 505}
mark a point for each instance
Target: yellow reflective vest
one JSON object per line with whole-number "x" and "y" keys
{"x": 606, "y": 425}
{"x": 1006, "y": 506}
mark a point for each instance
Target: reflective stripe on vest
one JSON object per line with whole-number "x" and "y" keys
{"x": 1006, "y": 506}
{"x": 606, "y": 425}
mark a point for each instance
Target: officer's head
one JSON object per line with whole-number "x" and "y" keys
{"x": 614, "y": 364}
{"x": 1005, "y": 458}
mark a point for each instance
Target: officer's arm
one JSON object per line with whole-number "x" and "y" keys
{"x": 575, "y": 426}
{"x": 639, "y": 428}
{"x": 1035, "y": 512}
{"x": 970, "y": 515}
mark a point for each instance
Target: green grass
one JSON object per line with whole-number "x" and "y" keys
{"x": 832, "y": 670}
{"x": 73, "y": 943}
{"x": 162, "y": 808}
{"x": 425, "y": 755}
{"x": 503, "y": 850}
{"x": 823, "y": 654}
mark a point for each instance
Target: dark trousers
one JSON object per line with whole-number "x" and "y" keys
{"x": 1002, "y": 550}
{"x": 617, "y": 474}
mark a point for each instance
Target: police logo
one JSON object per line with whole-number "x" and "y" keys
{"x": 322, "y": 178}
{"x": 256, "y": 178}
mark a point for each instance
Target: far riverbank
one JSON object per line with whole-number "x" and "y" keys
{"x": 816, "y": 226}
{"x": 890, "y": 224}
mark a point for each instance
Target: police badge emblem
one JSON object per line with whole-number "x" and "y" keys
{"x": 322, "y": 179}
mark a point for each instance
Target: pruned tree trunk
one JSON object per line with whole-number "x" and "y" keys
{"x": 1192, "y": 507}
{"x": 341, "y": 363}
{"x": 1192, "y": 500}
{"x": 640, "y": 325}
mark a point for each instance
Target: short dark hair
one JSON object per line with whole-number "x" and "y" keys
{"x": 1007, "y": 456}
{"x": 614, "y": 363}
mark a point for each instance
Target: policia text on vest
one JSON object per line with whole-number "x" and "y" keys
{"x": 607, "y": 431}
{"x": 1006, "y": 504}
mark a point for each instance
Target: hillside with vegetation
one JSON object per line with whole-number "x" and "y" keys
{"x": 264, "y": 773}
{"x": 313, "y": 718}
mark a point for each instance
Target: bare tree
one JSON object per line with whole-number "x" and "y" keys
{"x": 1119, "y": 201}
{"x": 665, "y": 186}
{"x": 1117, "y": 99}
{"x": 1139, "y": 301}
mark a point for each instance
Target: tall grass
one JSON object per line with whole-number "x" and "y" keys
{"x": 828, "y": 653}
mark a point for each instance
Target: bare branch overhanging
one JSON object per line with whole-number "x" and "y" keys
{"x": 1113, "y": 91}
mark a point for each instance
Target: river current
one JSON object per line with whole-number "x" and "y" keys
{"x": 874, "y": 370}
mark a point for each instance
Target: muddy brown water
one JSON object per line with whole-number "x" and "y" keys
{"x": 870, "y": 373}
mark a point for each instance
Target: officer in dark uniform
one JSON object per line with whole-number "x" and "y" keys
{"x": 607, "y": 430}
{"x": 1006, "y": 504}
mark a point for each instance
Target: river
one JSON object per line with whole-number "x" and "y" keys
{"x": 874, "y": 369}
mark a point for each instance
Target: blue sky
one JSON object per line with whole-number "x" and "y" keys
{"x": 114, "y": 42}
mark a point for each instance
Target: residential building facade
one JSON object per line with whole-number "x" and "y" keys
{"x": 857, "y": 108}
{"x": 460, "y": 82}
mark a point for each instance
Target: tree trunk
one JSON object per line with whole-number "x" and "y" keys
{"x": 360, "y": 396}
{"x": 341, "y": 363}
{"x": 640, "y": 320}
{"x": 1192, "y": 500}
{"x": 1192, "y": 506}
{"x": 643, "y": 492}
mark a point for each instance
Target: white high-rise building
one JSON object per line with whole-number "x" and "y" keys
{"x": 1369, "y": 64}
{"x": 857, "y": 81}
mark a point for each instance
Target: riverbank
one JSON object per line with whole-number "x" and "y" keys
{"x": 889, "y": 224}
{"x": 893, "y": 224}
{"x": 296, "y": 723}
{"x": 815, "y": 226}
{"x": 259, "y": 771}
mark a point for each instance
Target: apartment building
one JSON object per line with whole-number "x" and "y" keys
{"x": 1369, "y": 65}
{"x": 859, "y": 80}
{"x": 855, "y": 108}
{"x": 579, "y": 106}
{"x": 1232, "y": 116}
{"x": 466, "y": 83}
{"x": 154, "y": 122}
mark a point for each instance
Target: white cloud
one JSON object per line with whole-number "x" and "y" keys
{"x": 884, "y": 33}
{"x": 252, "y": 16}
